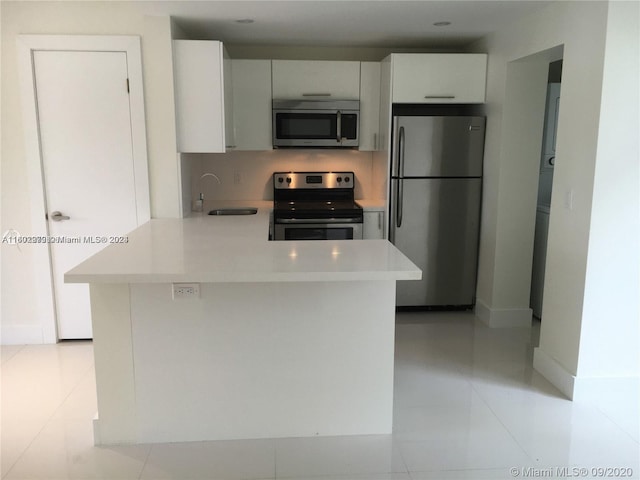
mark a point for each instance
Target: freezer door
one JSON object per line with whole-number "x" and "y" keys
{"x": 439, "y": 233}
{"x": 437, "y": 146}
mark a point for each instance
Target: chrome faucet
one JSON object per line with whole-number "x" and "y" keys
{"x": 199, "y": 204}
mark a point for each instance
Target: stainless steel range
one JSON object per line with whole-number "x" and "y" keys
{"x": 315, "y": 206}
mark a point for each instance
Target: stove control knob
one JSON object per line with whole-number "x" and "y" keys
{"x": 288, "y": 179}
{"x": 347, "y": 179}
{"x": 280, "y": 179}
{"x": 339, "y": 179}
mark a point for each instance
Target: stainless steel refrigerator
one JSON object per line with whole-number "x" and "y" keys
{"x": 436, "y": 190}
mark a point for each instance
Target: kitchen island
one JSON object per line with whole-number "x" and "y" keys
{"x": 281, "y": 339}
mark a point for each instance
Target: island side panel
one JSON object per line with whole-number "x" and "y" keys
{"x": 113, "y": 354}
{"x": 264, "y": 360}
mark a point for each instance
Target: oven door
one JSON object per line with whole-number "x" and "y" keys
{"x": 317, "y": 231}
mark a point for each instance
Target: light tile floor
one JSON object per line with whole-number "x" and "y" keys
{"x": 467, "y": 405}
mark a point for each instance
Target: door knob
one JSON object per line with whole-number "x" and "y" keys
{"x": 58, "y": 217}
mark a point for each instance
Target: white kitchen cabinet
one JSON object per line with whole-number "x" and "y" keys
{"x": 203, "y": 96}
{"x": 315, "y": 80}
{"x": 373, "y": 225}
{"x": 369, "y": 105}
{"x": 439, "y": 77}
{"x": 252, "y": 104}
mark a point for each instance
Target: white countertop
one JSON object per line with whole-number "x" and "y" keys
{"x": 371, "y": 205}
{"x": 212, "y": 249}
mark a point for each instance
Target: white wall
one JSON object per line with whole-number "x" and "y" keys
{"x": 583, "y": 319}
{"x": 610, "y": 335}
{"x": 18, "y": 320}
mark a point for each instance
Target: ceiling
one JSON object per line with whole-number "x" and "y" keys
{"x": 330, "y": 23}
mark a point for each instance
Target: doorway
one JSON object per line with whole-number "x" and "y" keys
{"x": 86, "y": 141}
{"x": 545, "y": 183}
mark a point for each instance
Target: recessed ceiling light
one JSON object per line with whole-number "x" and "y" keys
{"x": 245, "y": 20}
{"x": 442, "y": 24}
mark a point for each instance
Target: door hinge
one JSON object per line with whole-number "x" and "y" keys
{"x": 128, "y": 91}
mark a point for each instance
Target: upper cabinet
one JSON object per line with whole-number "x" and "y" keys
{"x": 252, "y": 104}
{"x": 302, "y": 79}
{"x": 438, "y": 77}
{"x": 203, "y": 96}
{"x": 369, "y": 106}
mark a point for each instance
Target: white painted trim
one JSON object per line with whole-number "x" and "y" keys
{"x": 576, "y": 388}
{"x": 97, "y": 438}
{"x": 21, "y": 335}
{"x": 44, "y": 298}
{"x": 26, "y": 45}
{"x": 550, "y": 369}
{"x": 503, "y": 317}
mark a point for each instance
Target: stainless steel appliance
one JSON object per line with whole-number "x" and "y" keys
{"x": 315, "y": 123}
{"x": 315, "y": 206}
{"x": 436, "y": 188}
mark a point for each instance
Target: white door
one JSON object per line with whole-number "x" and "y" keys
{"x": 87, "y": 159}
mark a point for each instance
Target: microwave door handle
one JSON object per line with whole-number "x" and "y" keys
{"x": 339, "y": 127}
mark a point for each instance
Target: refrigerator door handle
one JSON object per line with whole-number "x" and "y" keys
{"x": 400, "y": 195}
{"x": 400, "y": 190}
{"x": 401, "y": 143}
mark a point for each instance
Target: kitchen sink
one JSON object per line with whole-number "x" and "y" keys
{"x": 234, "y": 211}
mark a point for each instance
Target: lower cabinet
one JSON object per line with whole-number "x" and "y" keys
{"x": 373, "y": 225}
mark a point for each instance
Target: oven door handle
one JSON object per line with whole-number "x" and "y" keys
{"x": 318, "y": 221}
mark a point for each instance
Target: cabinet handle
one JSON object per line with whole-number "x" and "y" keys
{"x": 379, "y": 220}
{"x": 440, "y": 96}
{"x": 316, "y": 94}
{"x": 375, "y": 141}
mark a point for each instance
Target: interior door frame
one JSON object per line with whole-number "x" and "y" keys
{"x": 27, "y": 45}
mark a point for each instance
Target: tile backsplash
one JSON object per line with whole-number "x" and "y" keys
{"x": 248, "y": 175}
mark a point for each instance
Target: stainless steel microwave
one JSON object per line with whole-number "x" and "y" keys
{"x": 316, "y": 123}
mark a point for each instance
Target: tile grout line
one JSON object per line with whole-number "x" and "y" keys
{"x": 48, "y": 420}
{"x": 20, "y": 348}
{"x": 507, "y": 429}
{"x": 146, "y": 461}
{"x": 624, "y": 430}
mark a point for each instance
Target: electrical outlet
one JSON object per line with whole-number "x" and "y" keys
{"x": 186, "y": 290}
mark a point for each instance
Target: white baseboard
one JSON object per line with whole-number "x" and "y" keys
{"x": 96, "y": 430}
{"x": 554, "y": 372}
{"x": 503, "y": 317}
{"x": 580, "y": 389}
{"x": 21, "y": 335}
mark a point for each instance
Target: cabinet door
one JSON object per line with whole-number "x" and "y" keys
{"x": 439, "y": 78}
{"x": 311, "y": 79}
{"x": 252, "y": 104}
{"x": 369, "y": 105}
{"x": 199, "y": 95}
{"x": 227, "y": 91}
{"x": 373, "y": 225}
